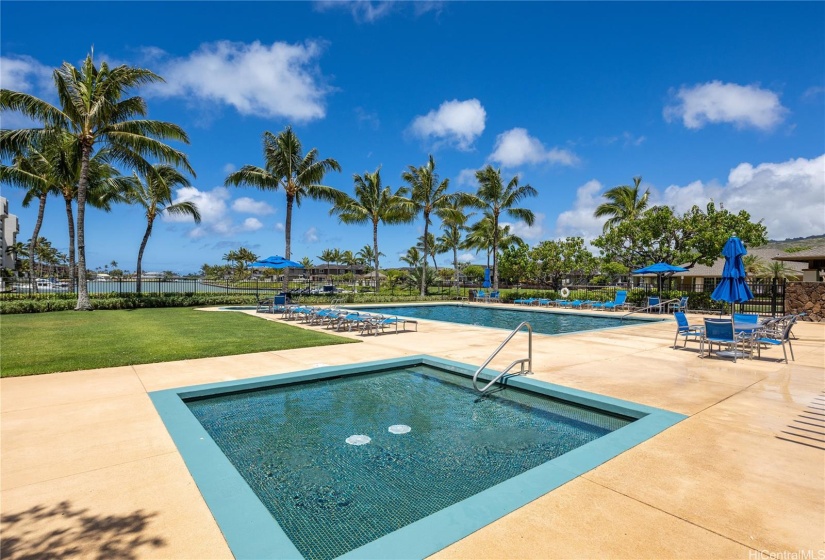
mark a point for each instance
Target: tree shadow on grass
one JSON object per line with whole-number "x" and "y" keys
{"x": 64, "y": 531}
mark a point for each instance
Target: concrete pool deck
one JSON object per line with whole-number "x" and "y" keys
{"x": 89, "y": 470}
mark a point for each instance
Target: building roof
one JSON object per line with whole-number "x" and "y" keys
{"x": 812, "y": 254}
{"x": 765, "y": 253}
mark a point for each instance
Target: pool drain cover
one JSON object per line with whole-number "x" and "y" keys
{"x": 399, "y": 429}
{"x": 358, "y": 440}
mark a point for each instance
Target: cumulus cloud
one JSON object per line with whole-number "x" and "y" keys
{"x": 455, "y": 122}
{"x": 279, "y": 226}
{"x": 280, "y": 80}
{"x": 24, "y": 73}
{"x": 467, "y": 177}
{"x": 311, "y": 235}
{"x": 248, "y": 205}
{"x": 579, "y": 221}
{"x": 466, "y": 257}
{"x": 716, "y": 102}
{"x": 516, "y": 147}
{"x": 214, "y": 208}
{"x": 527, "y": 233}
{"x": 789, "y": 196}
{"x": 229, "y": 168}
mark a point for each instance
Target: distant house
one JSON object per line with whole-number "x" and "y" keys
{"x": 811, "y": 261}
{"x": 9, "y": 228}
{"x": 102, "y": 276}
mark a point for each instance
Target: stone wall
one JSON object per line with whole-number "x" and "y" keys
{"x": 807, "y": 297}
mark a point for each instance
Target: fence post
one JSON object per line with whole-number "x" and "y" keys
{"x": 773, "y": 297}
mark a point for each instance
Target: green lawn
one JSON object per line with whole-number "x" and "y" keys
{"x": 72, "y": 340}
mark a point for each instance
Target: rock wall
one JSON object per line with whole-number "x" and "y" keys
{"x": 807, "y": 297}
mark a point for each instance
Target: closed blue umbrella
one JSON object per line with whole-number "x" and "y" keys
{"x": 486, "y": 283}
{"x": 733, "y": 288}
{"x": 659, "y": 269}
{"x": 276, "y": 262}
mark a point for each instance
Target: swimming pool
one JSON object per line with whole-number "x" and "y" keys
{"x": 274, "y": 461}
{"x": 545, "y": 322}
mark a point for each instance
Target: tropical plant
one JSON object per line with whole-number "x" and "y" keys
{"x": 452, "y": 226}
{"x": 96, "y": 112}
{"x": 350, "y": 260}
{"x": 374, "y": 203}
{"x": 566, "y": 258}
{"x": 153, "y": 192}
{"x": 286, "y": 167}
{"x": 413, "y": 258}
{"x": 330, "y": 256}
{"x": 623, "y": 203}
{"x": 778, "y": 270}
{"x": 428, "y": 196}
{"x": 306, "y": 262}
{"x": 496, "y": 199}
{"x": 429, "y": 241}
{"x": 367, "y": 256}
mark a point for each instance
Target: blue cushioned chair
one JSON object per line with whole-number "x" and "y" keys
{"x": 686, "y": 330}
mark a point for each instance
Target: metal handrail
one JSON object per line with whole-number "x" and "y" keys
{"x": 659, "y": 305}
{"x": 528, "y": 359}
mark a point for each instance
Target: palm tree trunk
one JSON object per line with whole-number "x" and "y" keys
{"x": 495, "y": 253}
{"x": 83, "y": 302}
{"x": 375, "y": 249}
{"x": 41, "y": 209}
{"x": 455, "y": 268}
{"x": 140, "y": 252}
{"x": 288, "y": 238}
{"x": 70, "y": 220}
{"x": 424, "y": 260}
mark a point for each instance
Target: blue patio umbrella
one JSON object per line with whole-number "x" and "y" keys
{"x": 733, "y": 288}
{"x": 276, "y": 262}
{"x": 486, "y": 283}
{"x": 660, "y": 269}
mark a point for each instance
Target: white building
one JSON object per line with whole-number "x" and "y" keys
{"x": 9, "y": 227}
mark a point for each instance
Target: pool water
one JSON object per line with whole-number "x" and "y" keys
{"x": 289, "y": 443}
{"x": 545, "y": 322}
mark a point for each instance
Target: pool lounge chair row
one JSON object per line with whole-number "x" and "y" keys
{"x": 619, "y": 303}
{"x": 340, "y": 319}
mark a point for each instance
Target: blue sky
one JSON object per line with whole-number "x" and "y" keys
{"x": 703, "y": 100}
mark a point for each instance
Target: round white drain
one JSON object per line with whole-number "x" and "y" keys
{"x": 399, "y": 429}
{"x": 358, "y": 440}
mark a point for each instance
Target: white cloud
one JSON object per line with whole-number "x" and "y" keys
{"x": 455, "y": 122}
{"x": 516, "y": 147}
{"x": 361, "y": 10}
{"x": 788, "y": 196}
{"x": 717, "y": 102}
{"x": 466, "y": 257}
{"x": 248, "y": 205}
{"x": 467, "y": 177}
{"x": 229, "y": 168}
{"x": 279, "y": 226}
{"x": 527, "y": 233}
{"x": 311, "y": 235}
{"x": 275, "y": 81}
{"x": 214, "y": 210}
{"x": 251, "y": 224}
{"x": 25, "y": 74}
{"x": 579, "y": 221}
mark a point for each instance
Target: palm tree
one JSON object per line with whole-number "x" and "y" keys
{"x": 306, "y": 262}
{"x": 428, "y": 197}
{"x": 351, "y": 260}
{"x": 154, "y": 194}
{"x": 367, "y": 255}
{"x": 429, "y": 241}
{"x": 778, "y": 270}
{"x": 330, "y": 256}
{"x": 624, "y": 203}
{"x": 374, "y": 203}
{"x": 495, "y": 198}
{"x": 452, "y": 224}
{"x": 95, "y": 111}
{"x": 31, "y": 170}
{"x": 286, "y": 166}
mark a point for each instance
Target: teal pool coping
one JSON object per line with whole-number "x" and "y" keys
{"x": 252, "y": 532}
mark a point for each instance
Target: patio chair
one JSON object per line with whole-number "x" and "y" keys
{"x": 680, "y": 305}
{"x": 740, "y": 318}
{"x": 721, "y": 332}
{"x": 266, "y": 305}
{"x": 481, "y": 295}
{"x": 776, "y": 334}
{"x": 654, "y": 303}
{"x": 686, "y": 330}
{"x": 494, "y": 297}
{"x": 527, "y": 301}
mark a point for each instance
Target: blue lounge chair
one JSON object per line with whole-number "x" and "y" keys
{"x": 721, "y": 332}
{"x": 745, "y": 318}
{"x": 619, "y": 302}
{"x": 528, "y": 301}
{"x": 495, "y": 297}
{"x": 654, "y": 304}
{"x": 481, "y": 295}
{"x": 686, "y": 330}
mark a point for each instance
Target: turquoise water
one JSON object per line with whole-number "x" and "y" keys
{"x": 540, "y": 321}
{"x": 289, "y": 443}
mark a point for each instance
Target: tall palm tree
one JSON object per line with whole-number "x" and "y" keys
{"x": 154, "y": 193}
{"x": 351, "y": 260}
{"x": 429, "y": 241}
{"x": 374, "y": 203}
{"x": 496, "y": 199}
{"x": 428, "y": 196}
{"x": 31, "y": 170}
{"x": 286, "y": 167}
{"x": 367, "y": 255}
{"x": 330, "y": 256}
{"x": 96, "y": 112}
{"x": 623, "y": 203}
{"x": 453, "y": 220}
{"x": 414, "y": 258}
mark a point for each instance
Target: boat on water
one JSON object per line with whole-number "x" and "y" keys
{"x": 46, "y": 285}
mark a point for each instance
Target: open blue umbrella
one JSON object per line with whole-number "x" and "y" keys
{"x": 733, "y": 288}
{"x": 660, "y": 269}
{"x": 486, "y": 283}
{"x": 276, "y": 262}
